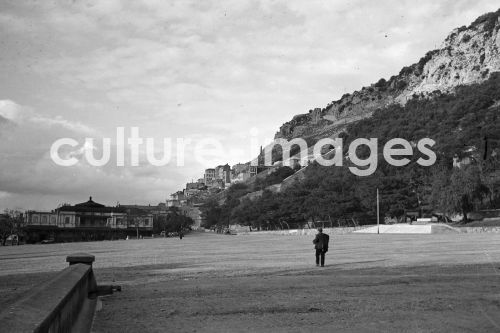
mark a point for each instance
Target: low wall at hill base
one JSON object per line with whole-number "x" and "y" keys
{"x": 384, "y": 228}
{"x": 305, "y": 232}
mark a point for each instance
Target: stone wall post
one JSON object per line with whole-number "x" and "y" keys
{"x": 80, "y": 258}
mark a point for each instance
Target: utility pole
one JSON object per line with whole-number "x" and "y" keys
{"x": 378, "y": 215}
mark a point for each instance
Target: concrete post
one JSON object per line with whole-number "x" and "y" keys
{"x": 80, "y": 258}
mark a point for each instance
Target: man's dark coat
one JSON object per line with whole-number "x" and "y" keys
{"x": 321, "y": 241}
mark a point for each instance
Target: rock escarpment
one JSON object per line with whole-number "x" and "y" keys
{"x": 468, "y": 55}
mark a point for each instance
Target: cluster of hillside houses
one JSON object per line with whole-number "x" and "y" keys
{"x": 216, "y": 180}
{"x": 213, "y": 181}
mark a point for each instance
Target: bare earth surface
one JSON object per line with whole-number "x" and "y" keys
{"x": 217, "y": 283}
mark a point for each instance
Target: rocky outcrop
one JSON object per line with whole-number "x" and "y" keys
{"x": 468, "y": 55}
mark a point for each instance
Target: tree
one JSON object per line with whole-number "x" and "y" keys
{"x": 6, "y": 228}
{"x": 275, "y": 177}
{"x": 211, "y": 213}
{"x": 159, "y": 223}
{"x": 134, "y": 221}
{"x": 458, "y": 190}
{"x": 176, "y": 220}
{"x": 10, "y": 223}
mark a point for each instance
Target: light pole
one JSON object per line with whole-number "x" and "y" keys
{"x": 378, "y": 215}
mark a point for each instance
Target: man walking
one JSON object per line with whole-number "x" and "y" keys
{"x": 321, "y": 246}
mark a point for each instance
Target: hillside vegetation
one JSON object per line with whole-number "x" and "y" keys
{"x": 466, "y": 128}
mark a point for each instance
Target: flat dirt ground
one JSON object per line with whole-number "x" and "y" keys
{"x": 269, "y": 283}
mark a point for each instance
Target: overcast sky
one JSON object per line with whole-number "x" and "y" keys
{"x": 184, "y": 69}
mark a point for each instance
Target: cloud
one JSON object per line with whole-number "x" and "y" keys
{"x": 18, "y": 114}
{"x": 60, "y": 121}
{"x": 24, "y": 146}
{"x": 186, "y": 69}
{"x": 29, "y": 179}
{"x": 9, "y": 110}
{"x": 4, "y": 121}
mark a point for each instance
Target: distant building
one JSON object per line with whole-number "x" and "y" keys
{"x": 258, "y": 165}
{"x": 160, "y": 209}
{"x": 209, "y": 176}
{"x": 223, "y": 172}
{"x": 241, "y": 177}
{"x": 219, "y": 172}
{"x": 195, "y": 186}
{"x": 47, "y": 219}
{"x": 176, "y": 199}
{"x": 256, "y": 169}
{"x": 226, "y": 174}
{"x": 87, "y": 221}
{"x": 189, "y": 193}
{"x": 193, "y": 189}
{"x": 238, "y": 168}
{"x": 216, "y": 184}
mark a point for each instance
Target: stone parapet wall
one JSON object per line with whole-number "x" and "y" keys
{"x": 65, "y": 303}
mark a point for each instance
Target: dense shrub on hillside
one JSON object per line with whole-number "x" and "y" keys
{"x": 400, "y": 85}
{"x": 381, "y": 83}
{"x": 277, "y": 151}
{"x": 425, "y": 59}
{"x": 489, "y": 20}
{"x": 275, "y": 177}
{"x": 466, "y": 38}
{"x": 455, "y": 121}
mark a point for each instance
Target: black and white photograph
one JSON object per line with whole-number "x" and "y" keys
{"x": 249, "y": 166}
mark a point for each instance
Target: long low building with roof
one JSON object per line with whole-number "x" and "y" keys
{"x": 87, "y": 221}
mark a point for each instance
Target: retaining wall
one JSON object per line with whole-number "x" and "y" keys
{"x": 341, "y": 231}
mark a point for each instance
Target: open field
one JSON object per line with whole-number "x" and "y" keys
{"x": 208, "y": 282}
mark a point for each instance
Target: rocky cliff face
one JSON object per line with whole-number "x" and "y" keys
{"x": 468, "y": 55}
